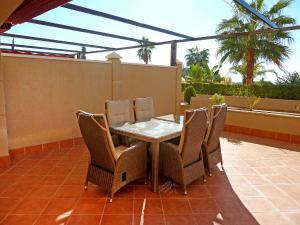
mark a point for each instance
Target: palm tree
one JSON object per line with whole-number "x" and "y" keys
{"x": 144, "y": 53}
{"x": 258, "y": 70}
{"x": 195, "y": 56}
{"x": 250, "y": 49}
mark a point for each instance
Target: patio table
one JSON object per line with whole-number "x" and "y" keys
{"x": 153, "y": 131}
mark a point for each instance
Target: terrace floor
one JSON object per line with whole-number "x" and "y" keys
{"x": 260, "y": 184}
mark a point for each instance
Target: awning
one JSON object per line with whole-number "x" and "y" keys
{"x": 30, "y": 9}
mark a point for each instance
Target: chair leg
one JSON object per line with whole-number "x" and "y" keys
{"x": 111, "y": 197}
{"x": 204, "y": 179}
{"x": 185, "y": 190}
{"x": 86, "y": 184}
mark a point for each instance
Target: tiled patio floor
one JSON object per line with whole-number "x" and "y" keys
{"x": 260, "y": 184}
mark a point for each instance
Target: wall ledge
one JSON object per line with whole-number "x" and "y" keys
{"x": 19, "y": 153}
{"x": 295, "y": 139}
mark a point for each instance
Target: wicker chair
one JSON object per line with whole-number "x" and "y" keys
{"x": 110, "y": 167}
{"x": 183, "y": 163}
{"x": 143, "y": 109}
{"x": 211, "y": 146}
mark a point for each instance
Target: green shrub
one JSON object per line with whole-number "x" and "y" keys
{"x": 189, "y": 92}
{"x": 263, "y": 91}
{"x": 217, "y": 99}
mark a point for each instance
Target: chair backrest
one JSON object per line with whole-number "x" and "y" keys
{"x": 143, "y": 108}
{"x": 217, "y": 123}
{"x": 117, "y": 112}
{"x": 94, "y": 130}
{"x": 193, "y": 134}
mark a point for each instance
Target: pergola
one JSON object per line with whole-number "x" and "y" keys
{"x": 32, "y": 8}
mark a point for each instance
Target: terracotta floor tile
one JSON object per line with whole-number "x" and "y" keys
{"x": 293, "y": 216}
{"x": 30, "y": 180}
{"x": 58, "y": 206}
{"x": 271, "y": 218}
{"x": 270, "y": 191}
{"x": 238, "y": 218}
{"x": 195, "y": 191}
{"x": 17, "y": 191}
{"x": 256, "y": 180}
{"x": 72, "y": 191}
{"x": 90, "y": 206}
{"x": 19, "y": 220}
{"x": 171, "y": 190}
{"x": 94, "y": 192}
{"x": 149, "y": 220}
{"x": 219, "y": 191}
{"x": 260, "y": 184}
{"x": 265, "y": 171}
{"x": 258, "y": 204}
{"x": 116, "y": 220}
{"x": 151, "y": 206}
{"x": 59, "y": 170}
{"x": 8, "y": 204}
{"x": 9, "y": 179}
{"x": 38, "y": 171}
{"x": 31, "y": 206}
{"x": 176, "y": 206}
{"x": 17, "y": 170}
{"x": 144, "y": 191}
{"x": 53, "y": 180}
{"x": 285, "y": 204}
{"x": 209, "y": 218}
{"x": 278, "y": 179}
{"x": 125, "y": 192}
{"x": 84, "y": 220}
{"x": 204, "y": 205}
{"x": 43, "y": 191}
{"x": 75, "y": 180}
{"x": 52, "y": 220}
{"x": 119, "y": 206}
{"x": 180, "y": 220}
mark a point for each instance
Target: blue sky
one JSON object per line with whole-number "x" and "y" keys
{"x": 191, "y": 17}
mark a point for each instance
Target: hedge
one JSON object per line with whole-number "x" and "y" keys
{"x": 291, "y": 92}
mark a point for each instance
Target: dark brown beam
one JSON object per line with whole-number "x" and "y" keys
{"x": 121, "y": 19}
{"x": 219, "y": 36}
{"x": 55, "y": 41}
{"x": 83, "y": 30}
{"x": 37, "y": 47}
{"x": 173, "y": 53}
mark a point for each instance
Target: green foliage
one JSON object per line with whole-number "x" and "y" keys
{"x": 189, "y": 92}
{"x": 195, "y": 74}
{"x": 251, "y": 103}
{"x": 263, "y": 91}
{"x": 291, "y": 78}
{"x": 217, "y": 99}
{"x": 82, "y": 54}
{"x": 194, "y": 56}
{"x": 251, "y": 49}
{"x": 198, "y": 69}
{"x": 258, "y": 70}
{"x": 145, "y": 51}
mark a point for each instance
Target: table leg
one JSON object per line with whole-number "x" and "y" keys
{"x": 155, "y": 165}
